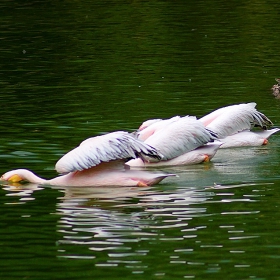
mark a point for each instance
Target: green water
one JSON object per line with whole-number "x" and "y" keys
{"x": 70, "y": 70}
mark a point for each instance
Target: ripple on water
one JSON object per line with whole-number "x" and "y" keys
{"x": 137, "y": 227}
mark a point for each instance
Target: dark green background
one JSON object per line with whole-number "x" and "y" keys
{"x": 74, "y": 69}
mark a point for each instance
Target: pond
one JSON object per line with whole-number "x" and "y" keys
{"x": 71, "y": 70}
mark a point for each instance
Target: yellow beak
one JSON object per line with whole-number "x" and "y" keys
{"x": 15, "y": 178}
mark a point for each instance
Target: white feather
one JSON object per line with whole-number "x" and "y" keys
{"x": 193, "y": 157}
{"x": 176, "y": 136}
{"x": 235, "y": 118}
{"x": 248, "y": 138}
{"x": 150, "y": 127}
{"x": 112, "y": 146}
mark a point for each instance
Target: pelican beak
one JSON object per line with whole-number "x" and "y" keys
{"x": 15, "y": 178}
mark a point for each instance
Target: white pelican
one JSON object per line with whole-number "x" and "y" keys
{"x": 175, "y": 138}
{"x": 99, "y": 161}
{"x": 248, "y": 138}
{"x": 228, "y": 123}
{"x": 201, "y": 154}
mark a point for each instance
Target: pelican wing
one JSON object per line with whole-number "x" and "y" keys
{"x": 150, "y": 127}
{"x": 108, "y": 147}
{"x": 179, "y": 137}
{"x": 236, "y": 118}
{"x": 147, "y": 123}
{"x": 207, "y": 119}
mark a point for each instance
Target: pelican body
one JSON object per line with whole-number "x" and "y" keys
{"x": 248, "y": 138}
{"x": 99, "y": 161}
{"x": 201, "y": 154}
{"x": 179, "y": 140}
{"x": 91, "y": 177}
{"x": 233, "y": 125}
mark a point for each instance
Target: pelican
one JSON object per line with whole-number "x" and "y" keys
{"x": 233, "y": 125}
{"x": 175, "y": 138}
{"x": 201, "y": 154}
{"x": 248, "y": 138}
{"x": 99, "y": 161}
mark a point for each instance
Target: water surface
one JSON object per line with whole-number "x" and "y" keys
{"x": 72, "y": 70}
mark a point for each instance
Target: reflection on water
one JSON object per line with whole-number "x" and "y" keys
{"x": 245, "y": 163}
{"x": 135, "y": 230}
{"x": 214, "y": 227}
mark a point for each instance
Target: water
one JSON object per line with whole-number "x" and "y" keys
{"x": 72, "y": 70}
